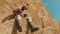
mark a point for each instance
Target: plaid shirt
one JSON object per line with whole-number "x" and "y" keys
{"x": 18, "y": 11}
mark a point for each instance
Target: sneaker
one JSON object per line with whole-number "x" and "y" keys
{"x": 34, "y": 29}
{"x": 20, "y": 29}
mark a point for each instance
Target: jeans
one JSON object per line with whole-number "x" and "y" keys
{"x": 18, "y": 22}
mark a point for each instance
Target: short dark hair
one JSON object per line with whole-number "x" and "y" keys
{"x": 24, "y": 8}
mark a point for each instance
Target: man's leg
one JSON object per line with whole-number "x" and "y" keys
{"x": 18, "y": 22}
{"x": 33, "y": 28}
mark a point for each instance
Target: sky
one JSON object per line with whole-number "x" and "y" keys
{"x": 53, "y": 6}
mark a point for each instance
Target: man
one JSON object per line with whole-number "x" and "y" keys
{"x": 18, "y": 13}
{"x": 29, "y": 20}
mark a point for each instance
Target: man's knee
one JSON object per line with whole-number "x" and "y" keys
{"x": 30, "y": 19}
{"x": 19, "y": 17}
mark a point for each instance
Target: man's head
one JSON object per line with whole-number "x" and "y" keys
{"x": 24, "y": 8}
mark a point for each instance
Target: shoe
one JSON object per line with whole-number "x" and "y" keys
{"x": 34, "y": 29}
{"x": 20, "y": 29}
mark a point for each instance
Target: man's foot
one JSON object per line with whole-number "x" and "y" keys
{"x": 20, "y": 29}
{"x": 34, "y": 29}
